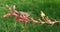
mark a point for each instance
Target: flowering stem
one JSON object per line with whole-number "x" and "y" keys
{"x": 25, "y": 28}
{"x": 24, "y": 25}
{"x": 7, "y": 28}
{"x": 15, "y": 26}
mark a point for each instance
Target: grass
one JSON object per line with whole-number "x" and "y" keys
{"x": 33, "y": 7}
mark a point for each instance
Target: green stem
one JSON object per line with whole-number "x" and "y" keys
{"x": 15, "y": 26}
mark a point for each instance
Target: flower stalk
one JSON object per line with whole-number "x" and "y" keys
{"x": 24, "y": 16}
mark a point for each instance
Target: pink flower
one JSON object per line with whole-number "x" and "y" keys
{"x": 21, "y": 19}
{"x": 48, "y": 20}
{"x": 16, "y": 13}
{"x": 34, "y": 21}
{"x": 25, "y": 21}
{"x": 26, "y": 16}
{"x": 6, "y": 15}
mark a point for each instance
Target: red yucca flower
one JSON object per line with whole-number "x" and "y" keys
{"x": 21, "y": 19}
{"x": 6, "y": 15}
{"x": 26, "y": 16}
{"x": 39, "y": 21}
{"x": 34, "y": 21}
{"x": 15, "y": 13}
{"x": 21, "y": 16}
{"x": 48, "y": 20}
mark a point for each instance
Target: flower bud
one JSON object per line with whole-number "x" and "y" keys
{"x": 6, "y": 15}
{"x": 42, "y": 15}
{"x": 48, "y": 20}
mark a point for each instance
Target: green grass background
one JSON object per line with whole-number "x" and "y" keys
{"x": 33, "y": 7}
